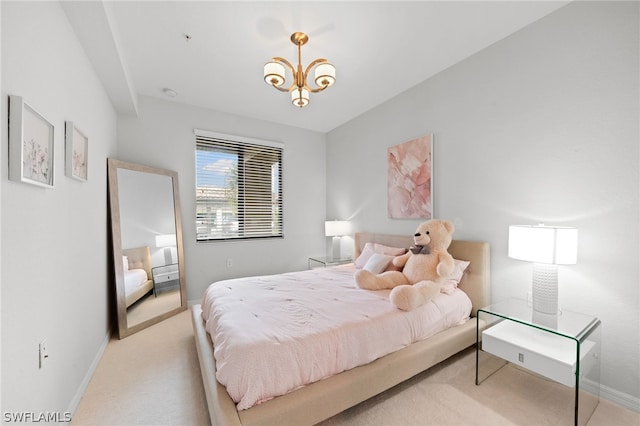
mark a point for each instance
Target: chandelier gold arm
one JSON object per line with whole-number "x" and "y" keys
{"x": 293, "y": 72}
{"x": 297, "y": 74}
{"x": 306, "y": 74}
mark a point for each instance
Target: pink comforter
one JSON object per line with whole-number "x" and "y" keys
{"x": 273, "y": 334}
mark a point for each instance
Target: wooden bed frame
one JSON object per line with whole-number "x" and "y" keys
{"x": 321, "y": 400}
{"x": 139, "y": 258}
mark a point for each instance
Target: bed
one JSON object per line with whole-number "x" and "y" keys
{"x": 322, "y": 399}
{"x": 137, "y": 273}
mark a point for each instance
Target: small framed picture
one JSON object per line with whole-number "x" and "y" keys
{"x": 76, "y": 149}
{"x": 31, "y": 151}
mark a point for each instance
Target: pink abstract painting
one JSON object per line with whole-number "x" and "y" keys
{"x": 409, "y": 180}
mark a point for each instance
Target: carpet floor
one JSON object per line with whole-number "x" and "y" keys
{"x": 151, "y": 306}
{"x": 153, "y": 378}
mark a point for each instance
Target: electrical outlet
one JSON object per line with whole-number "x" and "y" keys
{"x": 229, "y": 263}
{"x": 43, "y": 350}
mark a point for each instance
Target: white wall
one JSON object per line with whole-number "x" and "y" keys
{"x": 146, "y": 211}
{"x": 54, "y": 246}
{"x": 540, "y": 127}
{"x": 2, "y": 159}
{"x": 162, "y": 136}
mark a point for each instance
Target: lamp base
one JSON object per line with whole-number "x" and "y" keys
{"x": 168, "y": 256}
{"x": 545, "y": 288}
{"x": 335, "y": 248}
{"x": 549, "y": 321}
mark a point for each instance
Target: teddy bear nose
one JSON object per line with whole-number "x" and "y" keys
{"x": 417, "y": 234}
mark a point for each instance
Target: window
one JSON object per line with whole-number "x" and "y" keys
{"x": 238, "y": 187}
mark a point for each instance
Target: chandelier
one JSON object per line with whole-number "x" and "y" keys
{"x": 325, "y": 74}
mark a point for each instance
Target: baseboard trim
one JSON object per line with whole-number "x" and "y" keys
{"x": 619, "y": 398}
{"x": 623, "y": 399}
{"x": 75, "y": 402}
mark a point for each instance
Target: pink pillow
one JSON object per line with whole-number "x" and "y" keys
{"x": 371, "y": 248}
{"x": 452, "y": 281}
{"x": 391, "y": 251}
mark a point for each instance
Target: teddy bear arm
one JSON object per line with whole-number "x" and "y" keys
{"x": 445, "y": 265}
{"x": 400, "y": 261}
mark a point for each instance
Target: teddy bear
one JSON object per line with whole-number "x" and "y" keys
{"x": 424, "y": 266}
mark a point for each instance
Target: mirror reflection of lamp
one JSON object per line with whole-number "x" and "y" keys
{"x": 167, "y": 241}
{"x": 336, "y": 229}
{"x": 547, "y": 247}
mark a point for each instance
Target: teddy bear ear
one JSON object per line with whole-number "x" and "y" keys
{"x": 448, "y": 225}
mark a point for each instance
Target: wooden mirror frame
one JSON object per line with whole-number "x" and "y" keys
{"x": 113, "y": 165}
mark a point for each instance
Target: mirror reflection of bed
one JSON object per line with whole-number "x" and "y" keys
{"x": 146, "y": 298}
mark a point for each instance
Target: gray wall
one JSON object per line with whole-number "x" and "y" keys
{"x": 162, "y": 136}
{"x": 55, "y": 274}
{"x": 540, "y": 127}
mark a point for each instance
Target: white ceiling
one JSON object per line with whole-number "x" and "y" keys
{"x": 379, "y": 49}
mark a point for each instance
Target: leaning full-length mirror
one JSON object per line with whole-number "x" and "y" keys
{"x": 147, "y": 245}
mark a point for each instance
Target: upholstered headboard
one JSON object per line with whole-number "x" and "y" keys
{"x": 139, "y": 258}
{"x": 476, "y": 281}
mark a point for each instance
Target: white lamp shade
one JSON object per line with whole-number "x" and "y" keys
{"x": 337, "y": 228}
{"x": 166, "y": 240}
{"x": 300, "y": 97}
{"x": 274, "y": 73}
{"x": 325, "y": 75}
{"x": 544, "y": 244}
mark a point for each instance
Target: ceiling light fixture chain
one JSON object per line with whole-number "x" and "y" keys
{"x": 274, "y": 74}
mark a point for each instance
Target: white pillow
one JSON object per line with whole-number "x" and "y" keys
{"x": 377, "y": 263}
{"x": 371, "y": 248}
{"x": 366, "y": 253}
{"x": 125, "y": 263}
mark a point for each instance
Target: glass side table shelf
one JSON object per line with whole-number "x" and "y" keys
{"x": 324, "y": 261}
{"x": 564, "y": 348}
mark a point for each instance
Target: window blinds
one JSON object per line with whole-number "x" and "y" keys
{"x": 238, "y": 188}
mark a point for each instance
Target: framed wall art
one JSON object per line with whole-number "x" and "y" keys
{"x": 410, "y": 179}
{"x": 76, "y": 152}
{"x": 31, "y": 154}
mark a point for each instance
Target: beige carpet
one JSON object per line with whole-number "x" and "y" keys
{"x": 149, "y": 378}
{"x": 153, "y": 378}
{"x": 151, "y": 306}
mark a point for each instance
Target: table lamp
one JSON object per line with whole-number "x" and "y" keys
{"x": 167, "y": 241}
{"x": 547, "y": 247}
{"x": 336, "y": 229}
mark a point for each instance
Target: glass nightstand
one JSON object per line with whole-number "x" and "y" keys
{"x": 564, "y": 348}
{"x": 324, "y": 261}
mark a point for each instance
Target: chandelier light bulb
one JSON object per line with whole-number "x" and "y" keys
{"x": 325, "y": 75}
{"x": 300, "y": 98}
{"x": 274, "y": 73}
